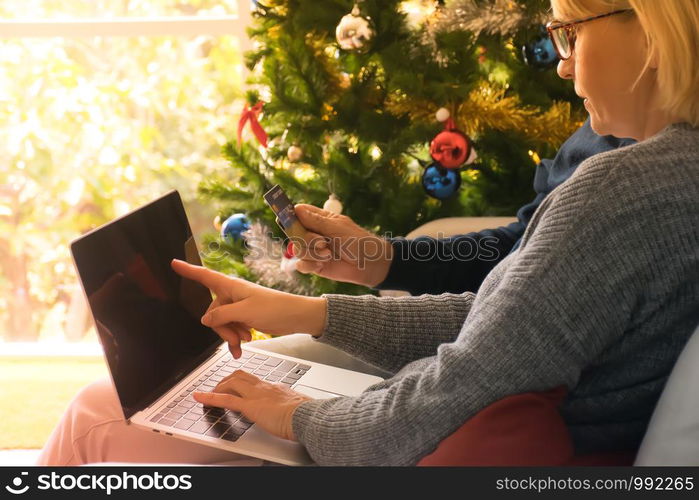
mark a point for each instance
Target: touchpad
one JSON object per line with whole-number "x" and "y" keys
{"x": 315, "y": 393}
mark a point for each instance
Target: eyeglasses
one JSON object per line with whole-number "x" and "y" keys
{"x": 563, "y": 35}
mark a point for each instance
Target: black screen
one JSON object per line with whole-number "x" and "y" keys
{"x": 147, "y": 316}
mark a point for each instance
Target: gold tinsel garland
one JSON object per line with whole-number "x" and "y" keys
{"x": 487, "y": 107}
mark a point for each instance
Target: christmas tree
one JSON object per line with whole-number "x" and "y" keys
{"x": 351, "y": 95}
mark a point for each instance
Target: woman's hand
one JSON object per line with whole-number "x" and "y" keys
{"x": 240, "y": 305}
{"x": 271, "y": 406}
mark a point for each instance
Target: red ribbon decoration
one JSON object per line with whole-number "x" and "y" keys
{"x": 250, "y": 114}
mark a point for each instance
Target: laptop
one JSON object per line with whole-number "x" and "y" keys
{"x": 158, "y": 352}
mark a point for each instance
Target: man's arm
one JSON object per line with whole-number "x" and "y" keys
{"x": 455, "y": 264}
{"x": 428, "y": 265}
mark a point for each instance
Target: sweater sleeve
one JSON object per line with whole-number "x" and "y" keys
{"x": 389, "y": 332}
{"x": 454, "y": 264}
{"x": 541, "y": 317}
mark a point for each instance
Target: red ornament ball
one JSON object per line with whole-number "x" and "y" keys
{"x": 451, "y": 148}
{"x": 289, "y": 251}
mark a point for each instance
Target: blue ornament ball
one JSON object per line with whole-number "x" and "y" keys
{"x": 234, "y": 226}
{"x": 539, "y": 52}
{"x": 440, "y": 182}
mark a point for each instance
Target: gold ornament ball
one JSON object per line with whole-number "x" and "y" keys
{"x": 294, "y": 153}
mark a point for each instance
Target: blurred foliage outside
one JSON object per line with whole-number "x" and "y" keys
{"x": 92, "y": 128}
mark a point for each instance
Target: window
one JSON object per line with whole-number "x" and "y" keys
{"x": 104, "y": 105}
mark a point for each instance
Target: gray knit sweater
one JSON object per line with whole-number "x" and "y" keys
{"x": 601, "y": 296}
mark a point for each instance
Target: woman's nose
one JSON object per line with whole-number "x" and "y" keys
{"x": 566, "y": 68}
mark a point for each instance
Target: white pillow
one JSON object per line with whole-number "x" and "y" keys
{"x": 672, "y": 437}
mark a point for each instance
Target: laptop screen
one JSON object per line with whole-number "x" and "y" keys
{"x": 147, "y": 316}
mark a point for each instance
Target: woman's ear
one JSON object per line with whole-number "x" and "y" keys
{"x": 653, "y": 57}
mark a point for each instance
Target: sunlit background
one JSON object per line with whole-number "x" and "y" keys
{"x": 91, "y": 127}
{"x": 95, "y": 119}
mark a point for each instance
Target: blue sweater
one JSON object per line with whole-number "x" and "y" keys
{"x": 444, "y": 272}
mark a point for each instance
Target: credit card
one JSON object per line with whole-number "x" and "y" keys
{"x": 282, "y": 206}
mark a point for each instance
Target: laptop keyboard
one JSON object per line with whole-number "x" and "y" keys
{"x": 185, "y": 413}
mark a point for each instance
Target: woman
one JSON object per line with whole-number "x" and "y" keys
{"x": 601, "y": 295}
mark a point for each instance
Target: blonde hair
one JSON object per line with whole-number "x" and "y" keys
{"x": 672, "y": 31}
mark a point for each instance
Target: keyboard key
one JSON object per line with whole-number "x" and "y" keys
{"x": 207, "y": 386}
{"x": 286, "y": 366}
{"x": 157, "y": 417}
{"x": 218, "y": 429}
{"x": 173, "y": 415}
{"x": 293, "y": 376}
{"x": 178, "y": 399}
{"x": 197, "y": 410}
{"x": 226, "y": 371}
{"x": 216, "y": 378}
{"x": 272, "y": 378}
{"x": 219, "y": 412}
{"x": 231, "y": 436}
{"x": 171, "y": 405}
{"x": 261, "y": 372}
{"x": 184, "y": 424}
{"x": 167, "y": 421}
{"x": 245, "y": 355}
{"x": 249, "y": 369}
{"x": 261, "y": 356}
{"x": 186, "y": 404}
{"x": 255, "y": 362}
{"x": 289, "y": 381}
{"x": 279, "y": 374}
{"x": 200, "y": 427}
{"x": 272, "y": 362}
{"x": 179, "y": 410}
{"x": 191, "y": 417}
{"x": 240, "y": 427}
{"x": 236, "y": 429}
{"x": 304, "y": 367}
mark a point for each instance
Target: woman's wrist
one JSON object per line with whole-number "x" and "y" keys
{"x": 313, "y": 312}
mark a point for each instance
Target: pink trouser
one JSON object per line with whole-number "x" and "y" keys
{"x": 93, "y": 428}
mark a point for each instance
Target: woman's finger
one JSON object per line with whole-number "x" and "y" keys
{"x": 243, "y": 332}
{"x": 212, "y": 280}
{"x": 227, "y": 333}
{"x": 234, "y": 385}
{"x": 220, "y": 400}
{"x": 227, "y": 313}
{"x": 243, "y": 375}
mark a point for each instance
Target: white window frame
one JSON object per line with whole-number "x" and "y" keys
{"x": 231, "y": 25}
